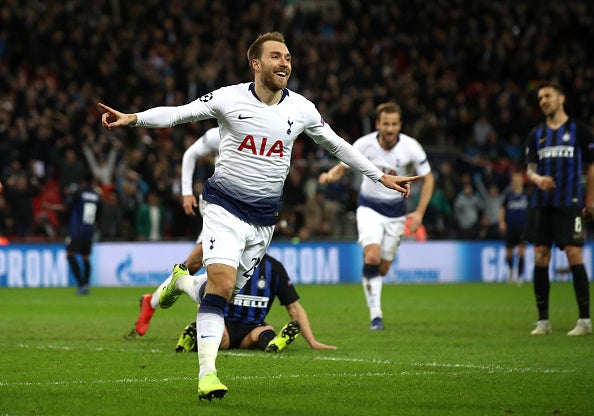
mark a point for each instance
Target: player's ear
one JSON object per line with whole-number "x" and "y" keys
{"x": 255, "y": 64}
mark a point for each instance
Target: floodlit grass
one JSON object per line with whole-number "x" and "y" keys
{"x": 449, "y": 349}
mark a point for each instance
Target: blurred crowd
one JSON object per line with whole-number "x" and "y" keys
{"x": 463, "y": 71}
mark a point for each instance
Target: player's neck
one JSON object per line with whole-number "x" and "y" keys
{"x": 266, "y": 95}
{"x": 386, "y": 144}
{"x": 557, "y": 120}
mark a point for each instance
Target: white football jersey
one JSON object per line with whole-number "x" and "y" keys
{"x": 406, "y": 158}
{"x": 205, "y": 145}
{"x": 256, "y": 144}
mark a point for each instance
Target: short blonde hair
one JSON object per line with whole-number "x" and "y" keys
{"x": 389, "y": 108}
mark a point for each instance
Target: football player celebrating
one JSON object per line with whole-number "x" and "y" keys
{"x": 381, "y": 215}
{"x": 259, "y": 122}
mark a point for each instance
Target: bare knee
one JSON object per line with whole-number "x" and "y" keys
{"x": 371, "y": 254}
{"x": 574, "y": 255}
{"x": 542, "y": 256}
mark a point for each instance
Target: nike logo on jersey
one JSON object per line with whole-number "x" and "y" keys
{"x": 244, "y": 117}
{"x": 206, "y": 336}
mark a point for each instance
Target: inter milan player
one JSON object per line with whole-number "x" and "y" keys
{"x": 82, "y": 207}
{"x": 258, "y": 122}
{"x": 513, "y": 217}
{"x": 558, "y": 152}
{"x": 245, "y": 317}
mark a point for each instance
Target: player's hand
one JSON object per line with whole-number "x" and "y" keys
{"x": 545, "y": 183}
{"x": 190, "y": 204}
{"x": 319, "y": 346}
{"x": 588, "y": 214}
{"x": 113, "y": 118}
{"x": 399, "y": 183}
{"x": 324, "y": 178}
{"x": 415, "y": 220}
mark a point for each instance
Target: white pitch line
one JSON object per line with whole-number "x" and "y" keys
{"x": 480, "y": 368}
{"x": 67, "y": 348}
{"x": 494, "y": 368}
{"x": 248, "y": 378}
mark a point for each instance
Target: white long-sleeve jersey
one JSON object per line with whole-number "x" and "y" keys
{"x": 205, "y": 145}
{"x": 406, "y": 158}
{"x": 256, "y": 144}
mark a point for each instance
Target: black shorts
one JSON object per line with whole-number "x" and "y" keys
{"x": 237, "y": 332}
{"x": 79, "y": 246}
{"x": 514, "y": 238}
{"x": 561, "y": 226}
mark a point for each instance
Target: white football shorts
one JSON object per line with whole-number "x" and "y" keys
{"x": 375, "y": 228}
{"x": 234, "y": 242}
{"x": 201, "y": 205}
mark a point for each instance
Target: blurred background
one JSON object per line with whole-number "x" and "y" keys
{"x": 464, "y": 72}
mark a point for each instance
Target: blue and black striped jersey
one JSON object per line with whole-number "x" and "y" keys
{"x": 516, "y": 211}
{"x": 252, "y": 303}
{"x": 563, "y": 154}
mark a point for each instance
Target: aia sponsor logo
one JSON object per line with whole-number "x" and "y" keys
{"x": 389, "y": 171}
{"x": 262, "y": 147}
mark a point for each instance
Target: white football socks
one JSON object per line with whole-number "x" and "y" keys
{"x": 192, "y": 285}
{"x": 372, "y": 287}
{"x": 209, "y": 332}
{"x": 188, "y": 284}
{"x": 157, "y": 293}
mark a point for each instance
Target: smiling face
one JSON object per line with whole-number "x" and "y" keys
{"x": 273, "y": 67}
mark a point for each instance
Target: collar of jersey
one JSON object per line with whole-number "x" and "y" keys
{"x": 253, "y": 90}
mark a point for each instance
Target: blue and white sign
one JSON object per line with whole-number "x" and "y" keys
{"x": 148, "y": 264}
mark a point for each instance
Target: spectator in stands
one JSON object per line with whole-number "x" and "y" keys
{"x": 492, "y": 199}
{"x": 20, "y": 191}
{"x": 467, "y": 211}
{"x": 102, "y": 166}
{"x": 71, "y": 169}
{"x": 110, "y": 220}
{"x": 443, "y": 80}
{"x": 150, "y": 218}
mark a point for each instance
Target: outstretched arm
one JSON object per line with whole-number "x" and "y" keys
{"x": 399, "y": 183}
{"x": 297, "y": 313}
{"x": 345, "y": 152}
{"x": 334, "y": 174}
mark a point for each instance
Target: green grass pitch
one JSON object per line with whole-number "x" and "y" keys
{"x": 448, "y": 349}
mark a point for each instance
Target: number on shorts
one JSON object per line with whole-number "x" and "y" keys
{"x": 248, "y": 273}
